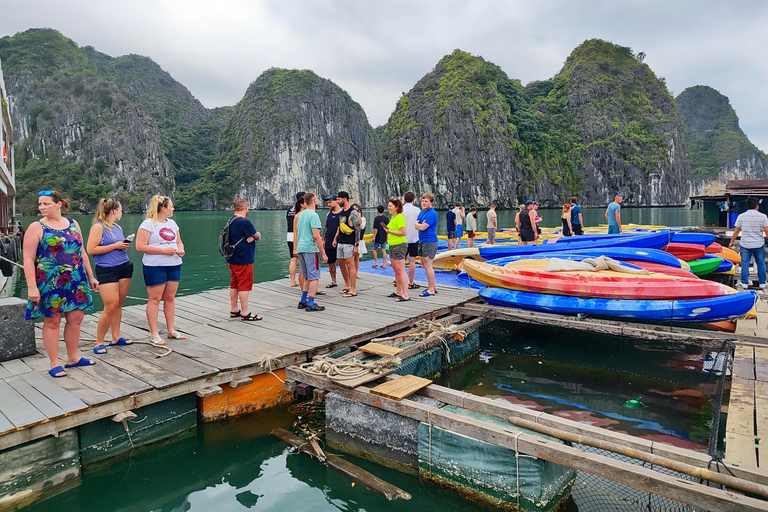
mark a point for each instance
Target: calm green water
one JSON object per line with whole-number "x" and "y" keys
{"x": 204, "y": 269}
{"x": 234, "y": 466}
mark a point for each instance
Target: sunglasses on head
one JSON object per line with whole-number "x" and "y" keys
{"x": 45, "y": 193}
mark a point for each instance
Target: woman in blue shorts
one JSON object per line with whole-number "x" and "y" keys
{"x": 107, "y": 244}
{"x": 160, "y": 241}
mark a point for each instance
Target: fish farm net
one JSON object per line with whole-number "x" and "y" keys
{"x": 613, "y": 370}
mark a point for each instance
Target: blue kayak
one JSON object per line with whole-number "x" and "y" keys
{"x": 617, "y": 253}
{"x": 645, "y": 241}
{"x": 684, "y": 237}
{"x": 713, "y": 309}
{"x": 725, "y": 265}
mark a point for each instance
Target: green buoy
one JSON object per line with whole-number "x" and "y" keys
{"x": 634, "y": 403}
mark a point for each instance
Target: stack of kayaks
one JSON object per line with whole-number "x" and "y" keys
{"x": 522, "y": 283}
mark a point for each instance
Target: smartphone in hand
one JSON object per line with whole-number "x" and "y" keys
{"x": 129, "y": 238}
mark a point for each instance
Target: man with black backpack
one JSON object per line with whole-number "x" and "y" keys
{"x": 241, "y": 252}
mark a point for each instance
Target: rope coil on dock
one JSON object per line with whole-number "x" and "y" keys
{"x": 347, "y": 370}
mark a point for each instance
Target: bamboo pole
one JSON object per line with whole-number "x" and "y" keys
{"x": 680, "y": 467}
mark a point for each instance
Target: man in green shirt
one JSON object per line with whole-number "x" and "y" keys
{"x": 308, "y": 244}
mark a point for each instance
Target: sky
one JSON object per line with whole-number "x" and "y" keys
{"x": 376, "y": 50}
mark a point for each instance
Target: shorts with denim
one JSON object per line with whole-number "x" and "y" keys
{"x": 428, "y": 249}
{"x": 345, "y": 251}
{"x": 491, "y": 233}
{"x": 379, "y": 245}
{"x": 154, "y": 276}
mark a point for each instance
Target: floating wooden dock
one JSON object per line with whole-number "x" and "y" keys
{"x": 218, "y": 351}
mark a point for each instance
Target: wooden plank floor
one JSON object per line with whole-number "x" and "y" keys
{"x": 746, "y": 437}
{"x": 218, "y": 350}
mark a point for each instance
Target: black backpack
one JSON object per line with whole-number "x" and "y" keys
{"x": 226, "y": 249}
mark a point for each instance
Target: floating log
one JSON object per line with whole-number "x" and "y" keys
{"x": 356, "y": 473}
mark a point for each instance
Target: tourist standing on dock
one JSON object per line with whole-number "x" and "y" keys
{"x": 380, "y": 237}
{"x": 59, "y": 279}
{"x": 459, "y": 211}
{"x": 491, "y": 223}
{"x": 753, "y": 227}
{"x": 565, "y": 217}
{"x": 331, "y": 227}
{"x": 361, "y": 248}
{"x": 347, "y": 238}
{"x": 398, "y": 247}
{"x": 289, "y": 218}
{"x": 471, "y": 226}
{"x": 526, "y": 226}
{"x": 160, "y": 241}
{"x": 577, "y": 222}
{"x": 536, "y": 219}
{"x": 242, "y": 235}
{"x": 411, "y": 213}
{"x": 427, "y": 226}
{"x": 517, "y": 219}
{"x": 108, "y": 245}
{"x": 613, "y": 215}
{"x": 450, "y": 226}
{"x": 308, "y": 244}
{"x": 297, "y": 209}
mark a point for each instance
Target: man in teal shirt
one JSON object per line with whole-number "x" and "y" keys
{"x": 613, "y": 215}
{"x": 308, "y": 244}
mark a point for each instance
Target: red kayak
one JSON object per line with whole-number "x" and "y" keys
{"x": 597, "y": 285}
{"x": 663, "y": 269}
{"x": 714, "y": 248}
{"x": 686, "y": 252}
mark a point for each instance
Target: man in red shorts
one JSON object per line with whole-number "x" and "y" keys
{"x": 242, "y": 234}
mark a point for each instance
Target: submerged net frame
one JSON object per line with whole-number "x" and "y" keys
{"x": 593, "y": 493}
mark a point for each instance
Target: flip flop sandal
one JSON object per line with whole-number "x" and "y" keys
{"x": 250, "y": 317}
{"x": 414, "y": 286}
{"x": 234, "y": 314}
{"x": 55, "y": 371}
{"x": 81, "y": 362}
{"x": 375, "y": 266}
{"x": 319, "y": 292}
{"x": 402, "y": 299}
{"x": 426, "y": 293}
{"x": 121, "y": 341}
{"x": 347, "y": 295}
{"x": 343, "y": 291}
{"x": 393, "y": 295}
{"x": 157, "y": 341}
{"x": 176, "y": 335}
{"x": 331, "y": 285}
{"x": 100, "y": 349}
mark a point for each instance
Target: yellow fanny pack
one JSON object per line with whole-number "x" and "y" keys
{"x": 344, "y": 227}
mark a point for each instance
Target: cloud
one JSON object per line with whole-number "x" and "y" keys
{"x": 376, "y": 51}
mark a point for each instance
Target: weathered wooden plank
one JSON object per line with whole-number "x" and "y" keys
{"x": 761, "y": 422}
{"x": 744, "y": 362}
{"x": 42, "y": 403}
{"x": 16, "y": 408}
{"x": 15, "y": 367}
{"x": 364, "y": 379}
{"x": 400, "y": 388}
{"x": 761, "y": 363}
{"x": 4, "y": 372}
{"x": 740, "y": 449}
{"x": 105, "y": 378}
{"x": 173, "y": 362}
{"x": 379, "y": 349}
{"x": 145, "y": 371}
{"x": 5, "y": 425}
{"x": 65, "y": 400}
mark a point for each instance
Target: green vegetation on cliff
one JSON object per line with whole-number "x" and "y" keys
{"x": 712, "y": 134}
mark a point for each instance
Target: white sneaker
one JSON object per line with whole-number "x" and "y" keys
{"x": 742, "y": 285}
{"x": 762, "y": 287}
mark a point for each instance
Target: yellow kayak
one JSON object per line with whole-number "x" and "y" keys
{"x": 450, "y": 260}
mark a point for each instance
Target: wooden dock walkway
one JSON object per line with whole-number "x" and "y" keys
{"x": 218, "y": 351}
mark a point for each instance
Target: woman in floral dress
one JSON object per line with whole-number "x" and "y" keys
{"x": 59, "y": 279}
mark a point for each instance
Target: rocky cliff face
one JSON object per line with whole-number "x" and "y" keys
{"x": 717, "y": 147}
{"x": 75, "y": 130}
{"x": 604, "y": 124}
{"x": 621, "y": 125}
{"x": 294, "y": 131}
{"x": 452, "y": 135}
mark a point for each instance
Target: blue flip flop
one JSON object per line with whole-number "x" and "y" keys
{"x": 426, "y": 293}
{"x": 57, "y": 369}
{"x": 82, "y": 362}
{"x": 120, "y": 341}
{"x": 100, "y": 349}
